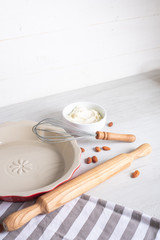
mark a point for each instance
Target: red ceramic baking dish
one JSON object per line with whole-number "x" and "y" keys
{"x": 30, "y": 167}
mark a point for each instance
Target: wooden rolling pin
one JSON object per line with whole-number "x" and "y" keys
{"x": 50, "y": 201}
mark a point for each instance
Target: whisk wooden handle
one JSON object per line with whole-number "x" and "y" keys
{"x": 74, "y": 188}
{"x": 115, "y": 136}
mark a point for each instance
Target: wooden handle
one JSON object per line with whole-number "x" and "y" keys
{"x": 141, "y": 151}
{"x": 21, "y": 217}
{"x": 115, "y": 136}
{"x": 75, "y": 187}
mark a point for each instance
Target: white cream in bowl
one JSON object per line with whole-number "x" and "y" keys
{"x": 85, "y": 116}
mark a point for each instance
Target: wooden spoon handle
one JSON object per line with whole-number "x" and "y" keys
{"x": 115, "y": 136}
{"x": 50, "y": 201}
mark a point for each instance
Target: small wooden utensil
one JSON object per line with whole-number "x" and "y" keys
{"x": 66, "y": 192}
{"x": 115, "y": 136}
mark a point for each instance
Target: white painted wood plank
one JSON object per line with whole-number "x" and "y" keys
{"x": 59, "y": 45}
{"x": 55, "y": 80}
{"x": 20, "y": 18}
{"x": 68, "y": 48}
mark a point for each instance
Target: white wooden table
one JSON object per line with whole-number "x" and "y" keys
{"x": 133, "y": 105}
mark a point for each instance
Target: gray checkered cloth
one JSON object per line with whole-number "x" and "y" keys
{"x": 84, "y": 218}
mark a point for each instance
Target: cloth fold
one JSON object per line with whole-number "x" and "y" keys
{"x": 84, "y": 218}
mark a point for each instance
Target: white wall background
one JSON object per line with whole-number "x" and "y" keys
{"x": 51, "y": 46}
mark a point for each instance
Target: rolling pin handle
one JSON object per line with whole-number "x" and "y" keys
{"x": 21, "y": 217}
{"x": 141, "y": 151}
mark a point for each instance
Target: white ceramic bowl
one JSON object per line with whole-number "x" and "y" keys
{"x": 89, "y": 127}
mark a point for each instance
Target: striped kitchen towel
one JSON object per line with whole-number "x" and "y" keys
{"x": 84, "y": 218}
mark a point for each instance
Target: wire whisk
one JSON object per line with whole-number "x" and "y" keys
{"x": 52, "y": 130}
